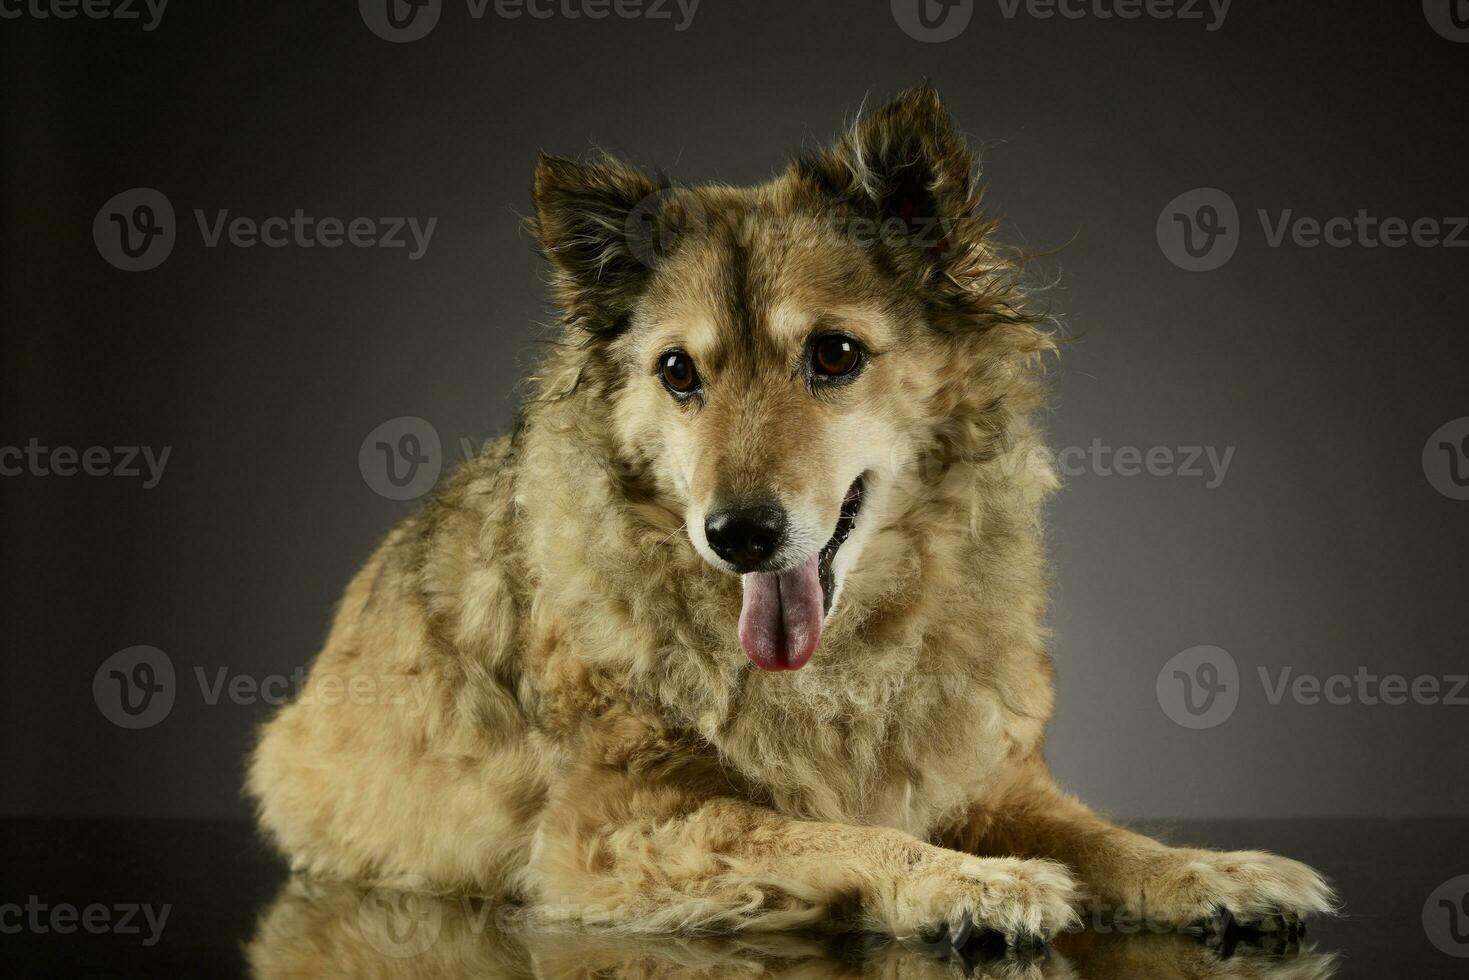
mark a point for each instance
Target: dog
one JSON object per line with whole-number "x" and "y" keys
{"x": 743, "y": 628}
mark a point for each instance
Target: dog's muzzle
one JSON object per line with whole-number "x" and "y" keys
{"x": 784, "y": 611}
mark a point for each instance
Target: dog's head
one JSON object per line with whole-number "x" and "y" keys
{"x": 785, "y": 361}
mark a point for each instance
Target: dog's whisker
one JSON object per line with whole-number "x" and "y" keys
{"x": 673, "y": 534}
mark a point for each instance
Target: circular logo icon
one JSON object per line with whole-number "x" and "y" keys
{"x": 1446, "y": 917}
{"x": 1450, "y": 18}
{"x": 933, "y": 21}
{"x": 135, "y": 688}
{"x": 931, "y": 470}
{"x": 658, "y": 222}
{"x": 1446, "y": 459}
{"x": 1199, "y": 688}
{"x": 402, "y": 458}
{"x": 1199, "y": 230}
{"x": 402, "y": 921}
{"x": 135, "y": 231}
{"x": 401, "y": 21}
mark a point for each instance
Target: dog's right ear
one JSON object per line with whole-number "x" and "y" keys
{"x": 583, "y": 214}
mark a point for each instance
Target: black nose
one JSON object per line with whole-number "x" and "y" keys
{"x": 746, "y": 535}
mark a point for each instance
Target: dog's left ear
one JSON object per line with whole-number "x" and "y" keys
{"x": 906, "y": 166}
{"x": 583, "y": 214}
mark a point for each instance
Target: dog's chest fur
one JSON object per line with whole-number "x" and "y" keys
{"x": 910, "y": 708}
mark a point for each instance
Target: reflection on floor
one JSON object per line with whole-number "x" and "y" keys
{"x": 227, "y": 896}
{"x": 318, "y": 929}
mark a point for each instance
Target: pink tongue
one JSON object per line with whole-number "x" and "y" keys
{"x": 780, "y": 623}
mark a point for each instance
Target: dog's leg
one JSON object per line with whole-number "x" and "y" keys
{"x": 1124, "y": 872}
{"x": 662, "y": 857}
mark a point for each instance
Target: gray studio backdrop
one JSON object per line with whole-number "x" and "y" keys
{"x": 1257, "y": 216}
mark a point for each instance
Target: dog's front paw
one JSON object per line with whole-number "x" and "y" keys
{"x": 956, "y": 899}
{"x": 1217, "y": 890}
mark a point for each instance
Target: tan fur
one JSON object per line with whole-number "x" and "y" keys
{"x": 552, "y": 702}
{"x": 316, "y": 929}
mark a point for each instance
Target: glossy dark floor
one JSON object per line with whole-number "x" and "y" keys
{"x": 208, "y": 899}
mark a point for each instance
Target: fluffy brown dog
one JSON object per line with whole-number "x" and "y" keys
{"x": 743, "y": 628}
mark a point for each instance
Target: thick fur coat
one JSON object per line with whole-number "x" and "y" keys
{"x": 537, "y": 688}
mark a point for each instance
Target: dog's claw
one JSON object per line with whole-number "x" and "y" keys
{"x": 961, "y": 935}
{"x": 982, "y": 948}
{"x": 972, "y": 946}
{"x": 1275, "y": 934}
{"x": 934, "y": 940}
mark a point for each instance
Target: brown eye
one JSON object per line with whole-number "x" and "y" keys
{"x": 835, "y": 356}
{"x": 677, "y": 371}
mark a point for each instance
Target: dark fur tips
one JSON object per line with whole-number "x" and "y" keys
{"x": 583, "y": 213}
{"x": 904, "y": 162}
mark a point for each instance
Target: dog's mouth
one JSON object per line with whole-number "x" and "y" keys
{"x": 851, "y": 504}
{"x": 783, "y": 612}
